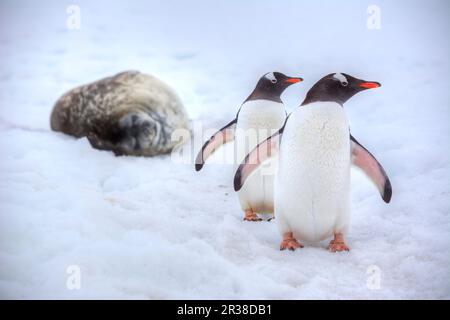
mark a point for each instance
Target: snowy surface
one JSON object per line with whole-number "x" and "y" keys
{"x": 153, "y": 228}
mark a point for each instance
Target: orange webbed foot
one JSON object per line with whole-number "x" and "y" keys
{"x": 251, "y": 216}
{"x": 289, "y": 242}
{"x": 338, "y": 244}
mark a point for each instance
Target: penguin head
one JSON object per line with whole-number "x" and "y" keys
{"x": 337, "y": 87}
{"x": 271, "y": 85}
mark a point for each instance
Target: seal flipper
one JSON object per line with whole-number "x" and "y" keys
{"x": 101, "y": 144}
{"x": 263, "y": 151}
{"x": 224, "y": 135}
{"x": 364, "y": 160}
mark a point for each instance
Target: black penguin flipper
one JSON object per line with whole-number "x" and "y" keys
{"x": 364, "y": 160}
{"x": 224, "y": 135}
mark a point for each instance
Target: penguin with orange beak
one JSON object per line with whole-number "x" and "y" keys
{"x": 261, "y": 114}
{"x": 312, "y": 187}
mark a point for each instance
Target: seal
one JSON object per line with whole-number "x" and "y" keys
{"x": 130, "y": 113}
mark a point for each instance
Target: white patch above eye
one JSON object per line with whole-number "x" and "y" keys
{"x": 271, "y": 77}
{"x": 340, "y": 77}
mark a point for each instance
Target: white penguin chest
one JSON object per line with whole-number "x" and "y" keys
{"x": 261, "y": 114}
{"x": 258, "y": 120}
{"x": 317, "y": 136}
{"x": 314, "y": 170}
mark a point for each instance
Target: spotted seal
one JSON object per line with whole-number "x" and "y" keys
{"x": 130, "y": 113}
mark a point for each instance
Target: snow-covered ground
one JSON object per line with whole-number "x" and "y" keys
{"x": 154, "y": 228}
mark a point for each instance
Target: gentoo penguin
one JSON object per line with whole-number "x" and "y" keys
{"x": 130, "y": 113}
{"x": 261, "y": 114}
{"x": 312, "y": 188}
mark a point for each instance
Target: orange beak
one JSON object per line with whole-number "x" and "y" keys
{"x": 369, "y": 85}
{"x": 293, "y": 80}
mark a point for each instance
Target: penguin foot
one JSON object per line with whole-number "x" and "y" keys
{"x": 251, "y": 216}
{"x": 338, "y": 244}
{"x": 289, "y": 242}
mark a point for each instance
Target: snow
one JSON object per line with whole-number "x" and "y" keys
{"x": 141, "y": 228}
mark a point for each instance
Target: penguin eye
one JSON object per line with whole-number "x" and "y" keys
{"x": 344, "y": 83}
{"x": 273, "y": 80}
